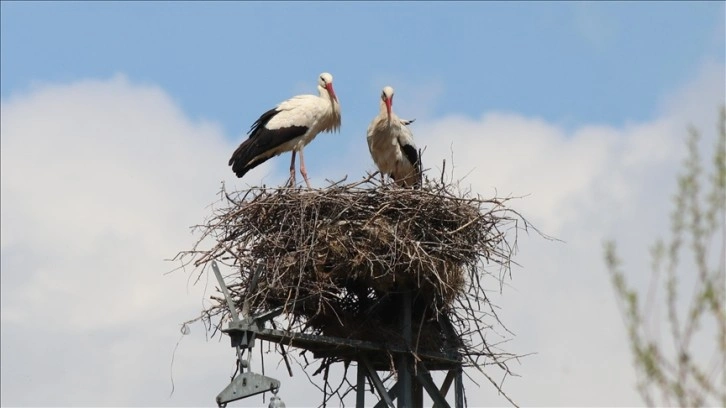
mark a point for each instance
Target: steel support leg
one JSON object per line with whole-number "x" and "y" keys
{"x": 392, "y": 394}
{"x": 404, "y": 366}
{"x": 424, "y": 378}
{"x": 378, "y": 383}
{"x": 446, "y": 385}
{"x": 459, "y": 388}
{"x": 417, "y": 394}
{"x": 360, "y": 392}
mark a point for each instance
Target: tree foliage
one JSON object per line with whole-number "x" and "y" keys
{"x": 678, "y": 370}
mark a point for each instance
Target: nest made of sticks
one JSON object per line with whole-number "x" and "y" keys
{"x": 336, "y": 258}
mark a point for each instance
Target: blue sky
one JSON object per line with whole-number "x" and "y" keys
{"x": 569, "y": 62}
{"x": 118, "y": 119}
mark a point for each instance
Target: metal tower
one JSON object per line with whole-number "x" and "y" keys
{"x": 413, "y": 375}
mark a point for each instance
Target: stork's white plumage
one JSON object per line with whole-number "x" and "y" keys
{"x": 390, "y": 142}
{"x": 289, "y": 126}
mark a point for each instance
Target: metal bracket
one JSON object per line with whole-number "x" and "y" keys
{"x": 246, "y": 385}
{"x": 242, "y": 334}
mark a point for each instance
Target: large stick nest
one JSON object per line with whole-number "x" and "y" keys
{"x": 336, "y": 258}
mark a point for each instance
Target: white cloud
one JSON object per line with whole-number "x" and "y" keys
{"x": 582, "y": 186}
{"x": 96, "y": 178}
{"x": 101, "y": 179}
{"x": 100, "y": 183}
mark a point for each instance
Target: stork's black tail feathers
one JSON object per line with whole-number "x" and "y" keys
{"x": 414, "y": 157}
{"x": 260, "y": 141}
{"x": 250, "y": 148}
{"x": 241, "y": 158}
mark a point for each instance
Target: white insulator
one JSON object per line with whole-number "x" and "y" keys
{"x": 276, "y": 402}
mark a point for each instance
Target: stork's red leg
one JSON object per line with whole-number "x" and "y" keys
{"x": 302, "y": 169}
{"x": 292, "y": 169}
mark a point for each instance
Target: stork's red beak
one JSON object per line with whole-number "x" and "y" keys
{"x": 331, "y": 92}
{"x": 389, "y": 102}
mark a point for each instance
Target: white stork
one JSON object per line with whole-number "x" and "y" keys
{"x": 391, "y": 145}
{"x": 289, "y": 126}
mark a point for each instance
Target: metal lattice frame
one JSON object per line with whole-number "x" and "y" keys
{"x": 413, "y": 377}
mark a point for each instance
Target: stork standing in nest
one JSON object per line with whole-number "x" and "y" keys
{"x": 289, "y": 126}
{"x": 390, "y": 142}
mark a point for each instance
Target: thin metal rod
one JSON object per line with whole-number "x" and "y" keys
{"x": 223, "y": 286}
{"x": 360, "y": 394}
{"x": 377, "y": 383}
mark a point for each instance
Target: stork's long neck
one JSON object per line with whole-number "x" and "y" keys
{"x": 333, "y": 123}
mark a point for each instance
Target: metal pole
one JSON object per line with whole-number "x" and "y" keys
{"x": 459, "y": 388}
{"x": 405, "y": 398}
{"x": 360, "y": 396}
{"x": 223, "y": 286}
{"x": 418, "y": 394}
